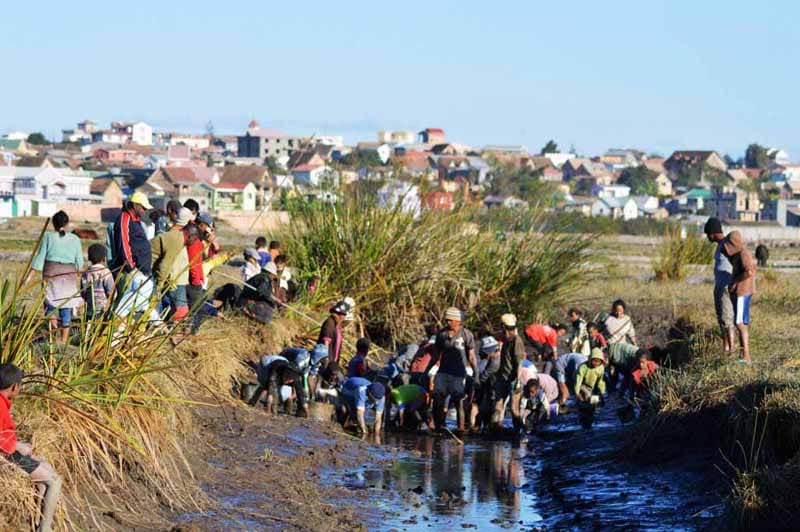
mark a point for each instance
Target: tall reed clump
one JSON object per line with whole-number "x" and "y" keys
{"x": 104, "y": 410}
{"x": 403, "y": 269}
{"x": 677, "y": 252}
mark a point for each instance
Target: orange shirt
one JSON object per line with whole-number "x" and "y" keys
{"x": 544, "y": 334}
{"x": 8, "y": 430}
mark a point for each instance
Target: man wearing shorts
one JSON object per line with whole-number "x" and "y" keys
{"x": 456, "y": 348}
{"x": 741, "y": 288}
{"x": 723, "y": 273}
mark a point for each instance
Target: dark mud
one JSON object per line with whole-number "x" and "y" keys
{"x": 564, "y": 478}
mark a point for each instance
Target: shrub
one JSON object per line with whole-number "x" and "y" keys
{"x": 677, "y": 251}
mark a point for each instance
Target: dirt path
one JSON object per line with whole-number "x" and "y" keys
{"x": 267, "y": 473}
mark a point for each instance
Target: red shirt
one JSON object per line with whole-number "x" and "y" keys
{"x": 637, "y": 373}
{"x": 544, "y": 334}
{"x": 195, "y": 253}
{"x": 8, "y": 430}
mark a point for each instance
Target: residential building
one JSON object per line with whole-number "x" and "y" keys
{"x": 397, "y": 137}
{"x": 689, "y": 203}
{"x": 778, "y": 156}
{"x": 737, "y": 205}
{"x": 310, "y": 175}
{"x": 505, "y": 150}
{"x": 111, "y": 136}
{"x": 788, "y": 212}
{"x": 229, "y": 195}
{"x": 439, "y": 200}
{"x": 682, "y": 160}
{"x": 552, "y": 174}
{"x": 578, "y": 206}
{"x": 620, "y": 159}
{"x": 400, "y": 195}
{"x": 108, "y": 190}
{"x": 35, "y": 191}
{"x": 261, "y": 143}
{"x": 258, "y": 175}
{"x": 611, "y": 191}
{"x": 17, "y": 147}
{"x": 415, "y": 164}
{"x": 624, "y": 208}
{"x": 655, "y": 164}
{"x": 791, "y": 189}
{"x": 329, "y": 140}
{"x": 784, "y": 172}
{"x": 559, "y": 159}
{"x": 663, "y": 185}
{"x": 16, "y": 135}
{"x": 196, "y": 142}
{"x": 432, "y": 136}
{"x": 648, "y": 207}
{"x": 509, "y": 202}
{"x": 384, "y": 151}
{"x": 181, "y": 183}
{"x": 472, "y": 169}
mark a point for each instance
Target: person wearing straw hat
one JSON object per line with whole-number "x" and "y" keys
{"x": 456, "y": 349}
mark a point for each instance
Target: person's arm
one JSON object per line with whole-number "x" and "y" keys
{"x": 473, "y": 361}
{"x": 379, "y": 416}
{"x": 37, "y": 263}
{"x": 748, "y": 269}
{"x": 579, "y": 381}
{"x": 125, "y": 241}
{"x": 360, "y": 416}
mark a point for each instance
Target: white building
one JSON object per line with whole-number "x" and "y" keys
{"x": 196, "y": 142}
{"x": 402, "y": 195}
{"x": 16, "y": 135}
{"x": 34, "y": 191}
{"x": 329, "y": 140}
{"x": 141, "y": 134}
{"x": 611, "y": 191}
{"x": 397, "y": 137}
{"x": 624, "y": 208}
{"x": 558, "y": 159}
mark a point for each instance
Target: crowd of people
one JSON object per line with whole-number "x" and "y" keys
{"x": 158, "y": 263}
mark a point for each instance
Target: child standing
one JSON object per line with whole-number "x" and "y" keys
{"x": 97, "y": 283}
{"x": 47, "y": 482}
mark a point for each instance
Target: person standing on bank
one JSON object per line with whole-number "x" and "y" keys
{"x": 723, "y": 274}
{"x": 742, "y": 288}
{"x": 59, "y": 258}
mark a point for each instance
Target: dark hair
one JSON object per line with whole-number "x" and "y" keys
{"x": 643, "y": 353}
{"x": 592, "y": 325}
{"x": 332, "y": 371}
{"x": 60, "y": 221}
{"x": 534, "y": 381}
{"x": 362, "y": 345}
{"x": 155, "y": 214}
{"x": 574, "y": 310}
{"x": 191, "y": 230}
{"x": 97, "y": 253}
{"x": 618, "y": 303}
{"x": 282, "y": 258}
{"x": 9, "y": 376}
{"x": 274, "y": 245}
{"x": 557, "y": 326}
{"x": 261, "y": 242}
{"x": 175, "y": 205}
{"x": 192, "y": 205}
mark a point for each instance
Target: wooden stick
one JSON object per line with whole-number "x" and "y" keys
{"x": 453, "y": 435}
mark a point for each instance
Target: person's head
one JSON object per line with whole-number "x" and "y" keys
{"x": 488, "y": 346}
{"x": 261, "y": 242}
{"x": 362, "y": 346}
{"x": 643, "y": 355}
{"x": 339, "y": 311}
{"x": 574, "y": 314}
{"x": 713, "y": 230}
{"x": 509, "y": 322}
{"x": 280, "y": 261}
{"x": 290, "y": 374}
{"x": 453, "y": 317}
{"x": 531, "y": 387}
{"x": 593, "y": 329}
{"x": 618, "y": 308}
{"x": 333, "y": 374}
{"x": 193, "y": 206}
{"x": 139, "y": 204}
{"x": 183, "y": 219}
{"x": 560, "y": 328}
{"x": 192, "y": 234}
{"x": 173, "y": 208}
{"x": 376, "y": 391}
{"x": 10, "y": 380}
{"x": 60, "y": 222}
{"x": 251, "y": 255}
{"x": 205, "y": 222}
{"x": 97, "y": 254}
{"x": 155, "y": 215}
{"x": 596, "y": 359}
{"x": 274, "y": 249}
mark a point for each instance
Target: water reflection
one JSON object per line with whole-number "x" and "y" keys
{"x": 480, "y": 482}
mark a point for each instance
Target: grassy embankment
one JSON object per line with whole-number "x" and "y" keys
{"x": 751, "y": 414}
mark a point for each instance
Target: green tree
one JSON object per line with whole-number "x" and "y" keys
{"x": 641, "y": 179}
{"x": 550, "y": 147}
{"x": 272, "y": 165}
{"x": 361, "y": 159}
{"x": 756, "y": 156}
{"x": 37, "y": 139}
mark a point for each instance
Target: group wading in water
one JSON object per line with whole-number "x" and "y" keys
{"x": 157, "y": 265}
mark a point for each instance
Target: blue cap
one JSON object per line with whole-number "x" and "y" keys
{"x": 205, "y": 218}
{"x": 377, "y": 390}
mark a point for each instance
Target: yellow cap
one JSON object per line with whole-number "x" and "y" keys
{"x": 141, "y": 199}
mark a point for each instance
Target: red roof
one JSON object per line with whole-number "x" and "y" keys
{"x": 306, "y": 167}
{"x": 435, "y": 130}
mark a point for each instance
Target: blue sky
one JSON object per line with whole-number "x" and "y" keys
{"x": 653, "y": 75}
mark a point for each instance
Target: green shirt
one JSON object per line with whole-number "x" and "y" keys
{"x": 64, "y": 249}
{"x": 622, "y": 355}
{"x": 591, "y": 378}
{"x": 406, "y": 394}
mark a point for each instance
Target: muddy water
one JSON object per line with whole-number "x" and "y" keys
{"x": 564, "y": 478}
